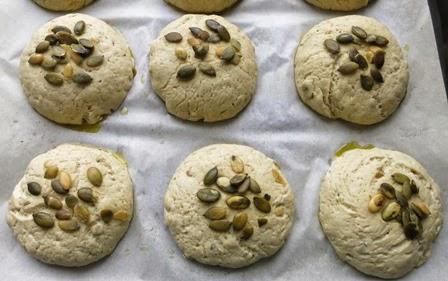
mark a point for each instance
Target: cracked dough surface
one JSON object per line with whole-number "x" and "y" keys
{"x": 203, "y": 98}
{"x": 363, "y": 239}
{"x": 337, "y": 96}
{"x": 63, "y": 5}
{"x": 184, "y": 212}
{"x": 202, "y": 6}
{"x": 91, "y": 242}
{"x": 71, "y": 103}
{"x": 339, "y": 5}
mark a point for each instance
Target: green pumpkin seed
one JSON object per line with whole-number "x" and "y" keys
{"x": 58, "y": 52}
{"x": 387, "y": 190}
{"x": 248, "y": 231}
{"x": 71, "y": 201}
{"x": 79, "y": 28}
{"x": 214, "y": 38}
{"x": 201, "y": 50}
{"x": 181, "y": 53}
{"x": 57, "y": 187}
{"x": 345, "y": 38}
{"x": 237, "y": 180}
{"x": 228, "y": 54}
{"x": 359, "y": 32}
{"x": 82, "y": 78}
{"x": 361, "y": 61}
{"x": 400, "y": 178}
{"x": 366, "y": 82}
{"x": 414, "y": 187}
{"x": 254, "y": 187}
{"x": 199, "y": 33}
{"x": 36, "y": 59}
{"x": 223, "y": 33}
{"x": 66, "y": 38}
{"x": 86, "y": 195}
{"x": 236, "y": 59}
{"x": 211, "y": 176}
{"x": 51, "y": 172}
{"x": 239, "y": 221}
{"x": 58, "y": 28}
{"x": 53, "y": 202}
{"x": 352, "y": 53}
{"x": 244, "y": 186}
{"x": 376, "y": 75}
{"x": 86, "y": 43}
{"x": 411, "y": 231}
{"x": 212, "y": 24}
{"x": 34, "y": 188}
{"x": 63, "y": 214}
{"x": 332, "y": 46}
{"x": 94, "y": 176}
{"x": 220, "y": 226}
{"x": 95, "y": 61}
{"x": 378, "y": 59}
{"x": 52, "y": 39}
{"x": 406, "y": 190}
{"x": 262, "y": 221}
{"x": 391, "y": 211}
{"x": 208, "y": 195}
{"x": 235, "y": 44}
{"x": 421, "y": 209}
{"x": 262, "y": 204}
{"x": 207, "y": 69}
{"x": 42, "y": 47}
{"x": 106, "y": 215}
{"x": 371, "y": 39}
{"x": 267, "y": 197}
{"x": 401, "y": 199}
{"x": 348, "y": 68}
{"x": 381, "y": 41}
{"x": 49, "y": 63}
{"x": 43, "y": 219}
{"x": 238, "y": 202}
{"x": 186, "y": 72}
{"x": 80, "y": 49}
{"x": 69, "y": 225}
{"x": 82, "y": 213}
{"x": 216, "y": 213}
{"x": 173, "y": 37}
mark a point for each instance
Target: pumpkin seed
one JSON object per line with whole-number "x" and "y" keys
{"x": 68, "y": 71}
{"x": 236, "y": 59}
{"x": 391, "y": 211}
{"x": 82, "y": 213}
{"x": 86, "y": 43}
{"x": 208, "y": 195}
{"x": 173, "y": 37}
{"x": 54, "y": 79}
{"x": 237, "y": 164}
{"x": 51, "y": 172}
{"x": 228, "y": 54}
{"x": 400, "y": 178}
{"x": 361, "y": 61}
{"x": 359, "y": 32}
{"x": 262, "y": 204}
{"x": 199, "y": 33}
{"x": 406, "y": 190}
{"x": 376, "y": 75}
{"x": 75, "y": 57}
{"x": 43, "y": 219}
{"x": 34, "y": 188}
{"x": 235, "y": 44}
{"x": 186, "y": 72}
{"x": 181, "y": 53}
{"x": 69, "y": 225}
{"x": 248, "y": 231}
{"x": 57, "y": 187}
{"x": 58, "y": 52}
{"x": 79, "y": 49}
{"x": 238, "y": 202}
{"x": 216, "y": 213}
{"x": 223, "y": 33}
{"x": 332, "y": 46}
{"x": 121, "y": 215}
{"x": 254, "y": 187}
{"x": 262, "y": 221}
{"x": 214, "y": 38}
{"x": 65, "y": 180}
{"x": 401, "y": 199}
{"x": 421, "y": 209}
{"x": 49, "y": 63}
{"x": 348, "y": 68}
{"x": 79, "y": 28}
{"x": 387, "y": 190}
{"x": 244, "y": 186}
{"x": 366, "y": 82}
{"x": 66, "y": 38}
{"x": 237, "y": 180}
{"x": 58, "y": 28}
{"x": 53, "y": 202}
{"x": 411, "y": 224}
{"x": 352, "y": 53}
{"x": 71, "y": 201}
{"x": 239, "y": 221}
{"x": 414, "y": 187}
{"x": 95, "y": 61}
{"x": 106, "y": 215}
{"x": 82, "y": 78}
{"x": 378, "y": 59}
{"x": 211, "y": 176}
{"x": 411, "y": 231}
{"x": 94, "y": 176}
{"x": 377, "y": 202}
{"x": 63, "y": 214}
{"x": 220, "y": 226}
{"x": 86, "y": 195}
{"x": 207, "y": 69}
{"x": 52, "y": 39}
{"x": 345, "y": 38}
{"x": 212, "y": 24}
{"x": 371, "y": 39}
{"x": 201, "y": 50}
{"x": 267, "y": 197}
{"x": 36, "y": 59}
{"x": 42, "y": 47}
{"x": 381, "y": 41}
{"x": 224, "y": 184}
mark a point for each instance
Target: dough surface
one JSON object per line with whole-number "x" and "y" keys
{"x": 63, "y": 5}
{"x": 337, "y": 96}
{"x": 339, "y": 5}
{"x": 93, "y": 240}
{"x": 72, "y": 103}
{"x": 202, "y": 6}
{"x": 204, "y": 98}
{"x": 363, "y": 239}
{"x": 184, "y": 212}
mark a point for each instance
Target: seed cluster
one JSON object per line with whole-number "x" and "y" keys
{"x": 62, "y": 47}
{"x": 200, "y": 43}
{"x": 357, "y": 61}
{"x": 236, "y": 187}
{"x": 396, "y": 205}
{"x": 74, "y": 212}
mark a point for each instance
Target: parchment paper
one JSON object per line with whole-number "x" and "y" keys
{"x": 275, "y": 122}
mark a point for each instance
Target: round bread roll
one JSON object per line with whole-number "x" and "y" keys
{"x": 202, "y": 6}
{"x": 229, "y": 205}
{"x": 72, "y": 206}
{"x": 339, "y": 5}
{"x": 362, "y": 82}
{"x": 381, "y": 211}
{"x": 63, "y": 5}
{"x": 76, "y": 77}
{"x": 199, "y": 74}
